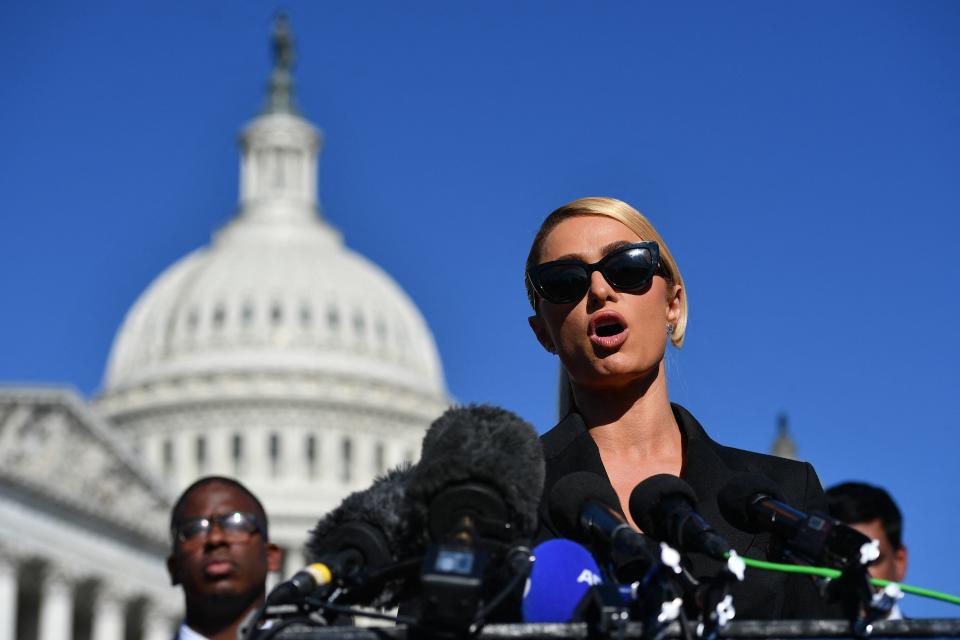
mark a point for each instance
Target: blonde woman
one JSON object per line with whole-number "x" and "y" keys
{"x": 607, "y": 296}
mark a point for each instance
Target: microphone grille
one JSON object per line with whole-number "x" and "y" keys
{"x": 647, "y": 496}
{"x": 568, "y": 497}
{"x": 738, "y": 495}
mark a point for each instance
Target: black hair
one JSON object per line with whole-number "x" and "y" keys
{"x": 855, "y": 502}
{"x": 259, "y": 511}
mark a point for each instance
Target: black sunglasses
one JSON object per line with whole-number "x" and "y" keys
{"x": 629, "y": 268}
{"x": 236, "y": 526}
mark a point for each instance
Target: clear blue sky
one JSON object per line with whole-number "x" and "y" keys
{"x": 802, "y": 160}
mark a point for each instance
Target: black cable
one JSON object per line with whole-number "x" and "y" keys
{"x": 480, "y": 620}
{"x": 392, "y": 570}
{"x": 283, "y": 624}
{"x": 353, "y": 611}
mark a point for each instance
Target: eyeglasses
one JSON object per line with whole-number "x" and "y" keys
{"x": 629, "y": 268}
{"x": 235, "y": 527}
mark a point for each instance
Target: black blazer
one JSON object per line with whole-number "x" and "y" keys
{"x": 707, "y": 466}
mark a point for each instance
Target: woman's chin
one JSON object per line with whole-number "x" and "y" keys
{"x": 611, "y": 375}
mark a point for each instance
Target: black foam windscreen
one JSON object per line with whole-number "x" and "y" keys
{"x": 646, "y": 497}
{"x": 568, "y": 497}
{"x": 382, "y": 506}
{"x": 481, "y": 444}
{"x": 737, "y": 497}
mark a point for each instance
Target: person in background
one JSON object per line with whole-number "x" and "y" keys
{"x": 871, "y": 511}
{"x": 221, "y": 555}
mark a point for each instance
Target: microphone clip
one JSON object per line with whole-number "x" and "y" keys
{"x": 451, "y": 581}
{"x": 605, "y": 610}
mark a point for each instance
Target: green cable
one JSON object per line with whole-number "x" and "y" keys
{"x": 834, "y": 573}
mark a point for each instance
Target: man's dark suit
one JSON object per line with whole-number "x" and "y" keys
{"x": 568, "y": 447}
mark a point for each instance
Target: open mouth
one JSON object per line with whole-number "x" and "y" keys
{"x": 606, "y": 330}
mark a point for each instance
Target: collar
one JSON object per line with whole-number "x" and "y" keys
{"x": 186, "y": 633}
{"x": 707, "y": 466}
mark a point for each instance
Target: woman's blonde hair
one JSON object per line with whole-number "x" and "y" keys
{"x": 628, "y": 217}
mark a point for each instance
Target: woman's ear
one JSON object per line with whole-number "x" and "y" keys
{"x": 540, "y": 331}
{"x": 673, "y": 305}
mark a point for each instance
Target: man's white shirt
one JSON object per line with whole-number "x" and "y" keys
{"x": 186, "y": 633}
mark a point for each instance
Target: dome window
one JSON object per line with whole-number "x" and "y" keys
{"x": 274, "y": 454}
{"x": 278, "y": 176}
{"x": 237, "y": 453}
{"x": 381, "y": 331}
{"x": 201, "y": 450}
{"x": 193, "y": 320}
{"x": 359, "y": 323}
{"x": 219, "y": 317}
{"x": 276, "y": 314}
{"x": 333, "y": 318}
{"x": 168, "y": 456}
{"x": 246, "y": 315}
{"x": 306, "y": 316}
{"x": 346, "y": 450}
{"x": 379, "y": 458}
{"x": 310, "y": 451}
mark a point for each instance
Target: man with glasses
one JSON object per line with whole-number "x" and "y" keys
{"x": 221, "y": 556}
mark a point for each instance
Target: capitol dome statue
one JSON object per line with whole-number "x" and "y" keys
{"x": 277, "y": 354}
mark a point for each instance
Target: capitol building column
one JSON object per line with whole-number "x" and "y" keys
{"x": 8, "y": 594}
{"x": 108, "y": 618}
{"x": 156, "y": 624}
{"x": 56, "y": 606}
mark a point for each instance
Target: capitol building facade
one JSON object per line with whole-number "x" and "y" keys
{"x": 276, "y": 355}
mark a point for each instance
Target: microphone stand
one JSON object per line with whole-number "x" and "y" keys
{"x": 861, "y": 604}
{"x": 714, "y": 599}
{"x": 659, "y": 593}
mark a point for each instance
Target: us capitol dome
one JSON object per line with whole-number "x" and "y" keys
{"x": 276, "y": 354}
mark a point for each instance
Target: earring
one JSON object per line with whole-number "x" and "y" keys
{"x": 670, "y": 328}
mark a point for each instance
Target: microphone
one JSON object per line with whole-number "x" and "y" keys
{"x": 753, "y": 502}
{"x": 584, "y": 508}
{"x": 474, "y": 496}
{"x": 363, "y": 533}
{"x": 562, "y": 573}
{"x": 301, "y": 585}
{"x": 666, "y": 507}
{"x": 480, "y": 464}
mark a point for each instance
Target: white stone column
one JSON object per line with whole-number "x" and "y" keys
{"x": 184, "y": 462}
{"x": 56, "y": 607}
{"x": 108, "y": 618}
{"x": 8, "y": 595}
{"x": 218, "y": 450}
{"x": 297, "y": 460}
{"x": 157, "y": 624}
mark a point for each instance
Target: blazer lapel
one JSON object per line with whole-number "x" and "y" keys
{"x": 707, "y": 471}
{"x": 568, "y": 447}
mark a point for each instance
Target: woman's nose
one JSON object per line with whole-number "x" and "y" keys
{"x": 600, "y": 289}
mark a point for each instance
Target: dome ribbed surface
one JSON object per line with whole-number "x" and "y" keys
{"x": 269, "y": 298}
